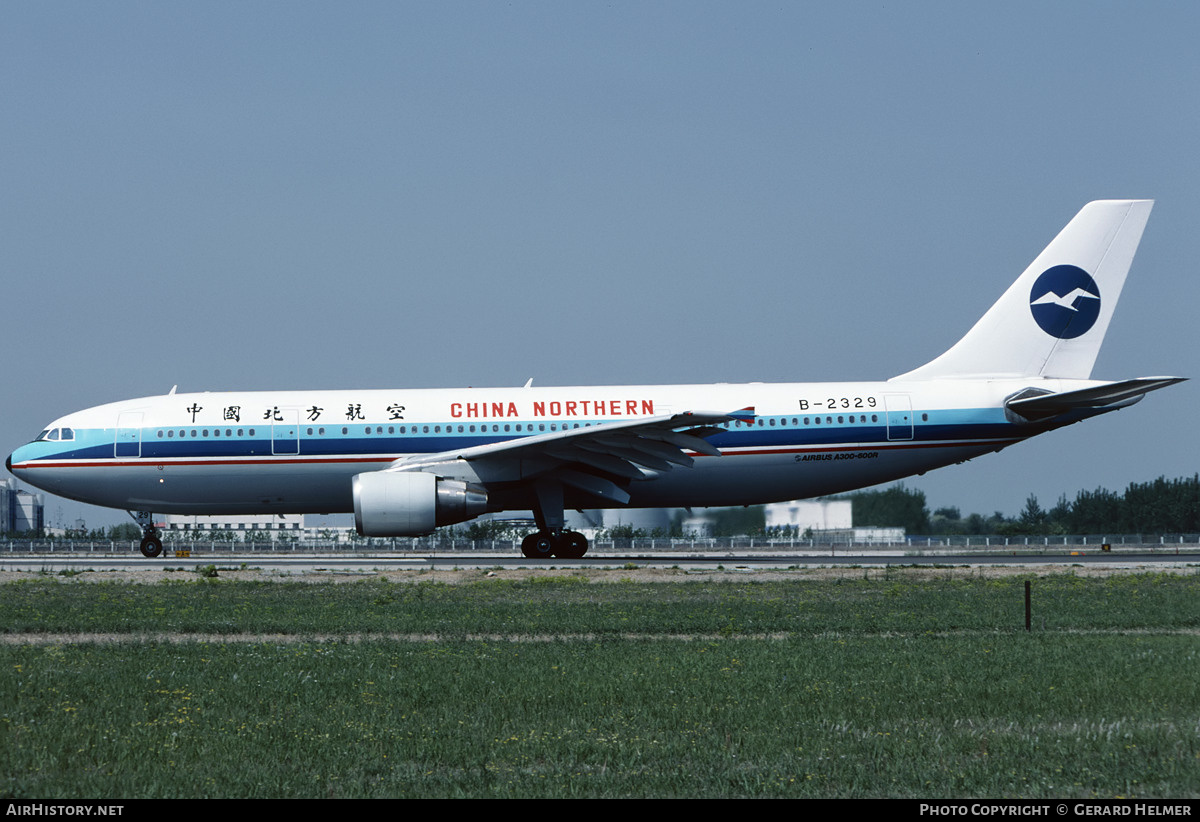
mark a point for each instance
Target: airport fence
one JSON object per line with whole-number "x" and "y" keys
{"x": 956, "y": 543}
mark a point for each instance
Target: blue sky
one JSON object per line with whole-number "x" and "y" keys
{"x": 283, "y": 195}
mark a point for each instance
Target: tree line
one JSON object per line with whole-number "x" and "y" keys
{"x": 1159, "y": 506}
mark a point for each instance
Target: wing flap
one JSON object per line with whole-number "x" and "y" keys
{"x": 596, "y": 486}
{"x": 606, "y": 462}
{"x": 691, "y": 439}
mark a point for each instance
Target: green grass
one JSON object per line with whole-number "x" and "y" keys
{"x": 557, "y": 605}
{"x": 891, "y": 687}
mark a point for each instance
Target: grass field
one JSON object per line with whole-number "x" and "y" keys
{"x": 897, "y": 685}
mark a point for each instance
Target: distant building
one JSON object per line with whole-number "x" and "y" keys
{"x": 859, "y": 536}
{"x": 810, "y": 515}
{"x": 20, "y": 511}
{"x": 828, "y": 522}
{"x": 248, "y": 522}
{"x": 645, "y": 520}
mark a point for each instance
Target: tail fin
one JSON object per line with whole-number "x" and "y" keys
{"x": 1051, "y": 321}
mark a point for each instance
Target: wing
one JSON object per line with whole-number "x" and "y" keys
{"x": 599, "y": 459}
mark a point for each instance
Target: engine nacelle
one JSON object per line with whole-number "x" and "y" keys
{"x": 412, "y": 503}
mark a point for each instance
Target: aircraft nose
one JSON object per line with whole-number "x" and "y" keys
{"x": 8, "y": 463}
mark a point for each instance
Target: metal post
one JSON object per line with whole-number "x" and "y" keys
{"x": 1028, "y": 612}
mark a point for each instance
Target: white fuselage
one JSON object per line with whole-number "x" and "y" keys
{"x": 296, "y": 452}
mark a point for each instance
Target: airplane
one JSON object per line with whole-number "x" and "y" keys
{"x": 408, "y": 461}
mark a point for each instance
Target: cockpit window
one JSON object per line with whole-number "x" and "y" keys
{"x": 68, "y": 434}
{"x": 53, "y": 436}
{"x": 41, "y": 436}
{"x": 56, "y": 434}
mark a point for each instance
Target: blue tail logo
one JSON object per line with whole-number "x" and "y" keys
{"x": 1065, "y": 302}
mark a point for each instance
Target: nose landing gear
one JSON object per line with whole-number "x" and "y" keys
{"x": 151, "y": 537}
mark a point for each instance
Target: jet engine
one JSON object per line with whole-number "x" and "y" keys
{"x": 412, "y": 503}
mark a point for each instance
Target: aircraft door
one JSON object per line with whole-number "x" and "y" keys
{"x": 285, "y": 432}
{"x": 899, "y": 416}
{"x": 128, "y": 440}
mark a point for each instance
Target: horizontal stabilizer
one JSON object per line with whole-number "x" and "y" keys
{"x": 1126, "y": 392}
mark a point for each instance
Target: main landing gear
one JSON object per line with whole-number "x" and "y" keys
{"x": 151, "y": 536}
{"x": 554, "y": 542}
{"x": 552, "y": 539}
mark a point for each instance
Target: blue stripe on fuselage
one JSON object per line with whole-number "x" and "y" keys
{"x": 928, "y": 427}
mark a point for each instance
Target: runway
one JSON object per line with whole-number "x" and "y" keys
{"x": 365, "y": 563}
